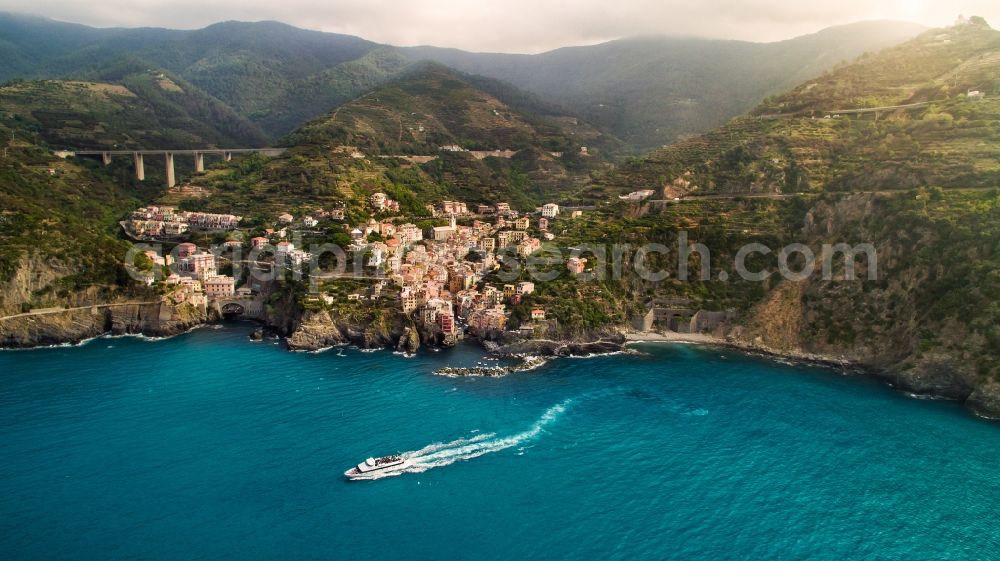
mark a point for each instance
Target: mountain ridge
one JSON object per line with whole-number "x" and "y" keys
{"x": 258, "y": 68}
{"x": 127, "y": 108}
{"x": 689, "y": 81}
{"x": 796, "y": 142}
{"x": 426, "y": 136}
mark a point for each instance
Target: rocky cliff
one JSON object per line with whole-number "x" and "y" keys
{"x": 35, "y": 283}
{"x": 72, "y": 326}
{"x": 924, "y": 329}
{"x": 321, "y": 329}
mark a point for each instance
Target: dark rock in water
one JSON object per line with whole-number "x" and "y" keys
{"x": 257, "y": 334}
{"x": 985, "y": 401}
{"x": 527, "y": 363}
{"x": 409, "y": 342}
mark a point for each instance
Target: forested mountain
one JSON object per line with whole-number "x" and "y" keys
{"x": 898, "y": 119}
{"x": 127, "y": 108}
{"x": 652, "y": 91}
{"x": 391, "y": 140}
{"x": 254, "y": 68}
{"x": 646, "y": 91}
{"x": 431, "y": 106}
{"x": 898, "y": 150}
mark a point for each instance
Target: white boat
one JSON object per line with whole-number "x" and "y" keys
{"x": 373, "y": 468}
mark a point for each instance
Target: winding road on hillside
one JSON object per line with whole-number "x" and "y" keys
{"x": 856, "y": 111}
{"x": 723, "y": 196}
{"x": 48, "y": 311}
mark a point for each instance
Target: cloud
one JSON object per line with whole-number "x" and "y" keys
{"x": 513, "y": 25}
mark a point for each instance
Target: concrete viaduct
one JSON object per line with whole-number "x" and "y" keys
{"x": 168, "y": 155}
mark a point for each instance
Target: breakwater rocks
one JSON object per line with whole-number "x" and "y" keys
{"x": 526, "y": 363}
{"x": 533, "y": 353}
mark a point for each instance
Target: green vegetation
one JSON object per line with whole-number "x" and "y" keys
{"x": 723, "y": 226}
{"x": 429, "y": 107}
{"x": 362, "y": 148}
{"x": 918, "y": 182}
{"x": 671, "y": 88}
{"x": 273, "y": 74}
{"x": 278, "y": 76}
{"x": 147, "y": 109}
{"x": 798, "y": 142}
{"x": 577, "y": 307}
{"x": 59, "y": 227}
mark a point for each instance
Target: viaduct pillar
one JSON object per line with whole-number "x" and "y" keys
{"x": 199, "y": 161}
{"x": 228, "y": 156}
{"x": 170, "y": 169}
{"x": 106, "y": 158}
{"x": 140, "y": 170}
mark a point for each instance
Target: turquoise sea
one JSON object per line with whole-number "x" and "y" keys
{"x": 210, "y": 446}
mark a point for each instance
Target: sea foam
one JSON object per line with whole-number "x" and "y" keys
{"x": 440, "y": 454}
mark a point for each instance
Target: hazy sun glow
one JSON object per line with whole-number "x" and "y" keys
{"x": 912, "y": 10}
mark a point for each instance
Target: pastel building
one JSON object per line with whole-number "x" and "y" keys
{"x": 199, "y": 265}
{"x": 576, "y": 265}
{"x": 219, "y": 286}
{"x": 185, "y": 249}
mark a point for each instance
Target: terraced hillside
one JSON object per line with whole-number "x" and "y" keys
{"x": 919, "y": 183}
{"x": 392, "y": 140}
{"x": 60, "y": 243}
{"x": 144, "y": 109}
{"x": 898, "y": 119}
{"x": 433, "y": 107}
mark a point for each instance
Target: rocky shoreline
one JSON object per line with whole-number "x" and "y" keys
{"x": 557, "y": 348}
{"x": 748, "y": 348}
{"x": 77, "y": 325}
{"x": 982, "y": 401}
{"x": 320, "y": 330}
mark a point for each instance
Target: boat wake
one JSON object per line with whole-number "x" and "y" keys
{"x": 441, "y": 454}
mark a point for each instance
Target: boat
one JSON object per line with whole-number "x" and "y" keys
{"x": 373, "y": 468}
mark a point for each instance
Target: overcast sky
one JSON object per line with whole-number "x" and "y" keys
{"x": 515, "y": 25}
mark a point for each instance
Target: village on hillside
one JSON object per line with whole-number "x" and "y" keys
{"x": 436, "y": 275}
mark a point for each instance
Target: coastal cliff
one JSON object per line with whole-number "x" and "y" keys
{"x": 322, "y": 329}
{"x": 940, "y": 376}
{"x": 910, "y": 326}
{"x": 65, "y": 316}
{"x": 38, "y": 281}
{"x": 73, "y": 326}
